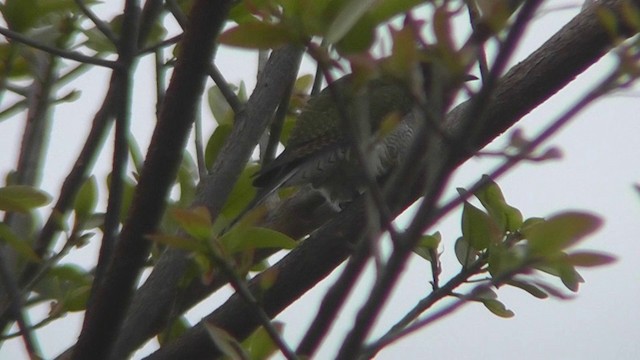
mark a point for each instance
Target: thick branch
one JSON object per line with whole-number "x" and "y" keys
{"x": 157, "y": 298}
{"x": 578, "y": 45}
{"x": 104, "y": 317}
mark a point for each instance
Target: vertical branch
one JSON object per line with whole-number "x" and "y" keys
{"x": 112, "y": 297}
{"x": 127, "y": 50}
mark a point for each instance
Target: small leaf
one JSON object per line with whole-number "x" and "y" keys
{"x": 20, "y": 15}
{"x": 478, "y": 228}
{"x": 506, "y": 216}
{"x": 503, "y": 259}
{"x": 86, "y": 200}
{"x": 427, "y": 244}
{"x": 260, "y": 344}
{"x": 220, "y": 108}
{"x": 465, "y": 253}
{"x": 590, "y": 259}
{"x": 346, "y": 19}
{"x": 530, "y": 288}
{"x": 226, "y": 343}
{"x": 217, "y": 139}
{"x": 176, "y": 329}
{"x": 76, "y": 299}
{"x": 557, "y": 293}
{"x": 497, "y": 308}
{"x": 196, "y": 222}
{"x": 20, "y": 246}
{"x": 569, "y": 276}
{"x": 241, "y": 194}
{"x": 242, "y": 238}
{"x": 560, "y": 232}
{"x": 22, "y": 198}
{"x": 303, "y": 84}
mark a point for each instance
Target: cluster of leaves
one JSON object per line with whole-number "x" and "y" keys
{"x": 350, "y": 25}
{"x": 502, "y": 248}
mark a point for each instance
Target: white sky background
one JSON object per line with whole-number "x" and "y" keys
{"x": 599, "y": 166}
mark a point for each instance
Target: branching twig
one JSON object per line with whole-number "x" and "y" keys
{"x": 370, "y": 310}
{"x": 15, "y": 304}
{"x": 240, "y": 286}
{"x": 71, "y": 55}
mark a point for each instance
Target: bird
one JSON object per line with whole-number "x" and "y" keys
{"x": 319, "y": 152}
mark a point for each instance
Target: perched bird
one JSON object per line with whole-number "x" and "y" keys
{"x": 319, "y": 151}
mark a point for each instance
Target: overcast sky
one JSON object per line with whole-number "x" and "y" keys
{"x": 596, "y": 174}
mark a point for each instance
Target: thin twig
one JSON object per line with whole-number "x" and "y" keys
{"x": 122, "y": 78}
{"x": 100, "y": 25}
{"x": 162, "y": 44}
{"x": 242, "y": 289}
{"x": 71, "y": 55}
{"x": 15, "y": 300}
{"x": 232, "y": 99}
{"x": 276, "y": 127}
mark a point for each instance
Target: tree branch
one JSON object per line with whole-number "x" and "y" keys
{"x": 156, "y": 298}
{"x": 104, "y": 317}
{"x": 71, "y": 55}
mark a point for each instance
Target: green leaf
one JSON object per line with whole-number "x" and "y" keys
{"x": 176, "y": 329}
{"x": 226, "y": 343}
{"x": 427, "y": 244}
{"x": 352, "y": 12}
{"x": 557, "y": 293}
{"x": 196, "y": 222}
{"x": 127, "y": 198}
{"x": 242, "y": 238}
{"x": 69, "y": 284}
{"x": 503, "y": 259}
{"x": 241, "y": 194}
{"x": 260, "y": 344}
{"x": 187, "y": 175}
{"x": 506, "y": 216}
{"x": 217, "y": 139}
{"x": 20, "y": 15}
{"x": 560, "y": 232}
{"x": 86, "y": 200}
{"x": 76, "y": 299}
{"x": 590, "y": 259}
{"x": 569, "y": 276}
{"x": 303, "y": 84}
{"x": 385, "y": 10}
{"x": 21, "y": 246}
{"x": 560, "y": 266}
{"x": 22, "y": 198}
{"x": 128, "y": 189}
{"x": 359, "y": 39}
{"x": 478, "y": 228}
{"x": 220, "y": 108}
{"x": 14, "y": 62}
{"x": 465, "y": 253}
{"x": 530, "y": 288}
{"x": 257, "y": 35}
{"x": 497, "y": 308}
